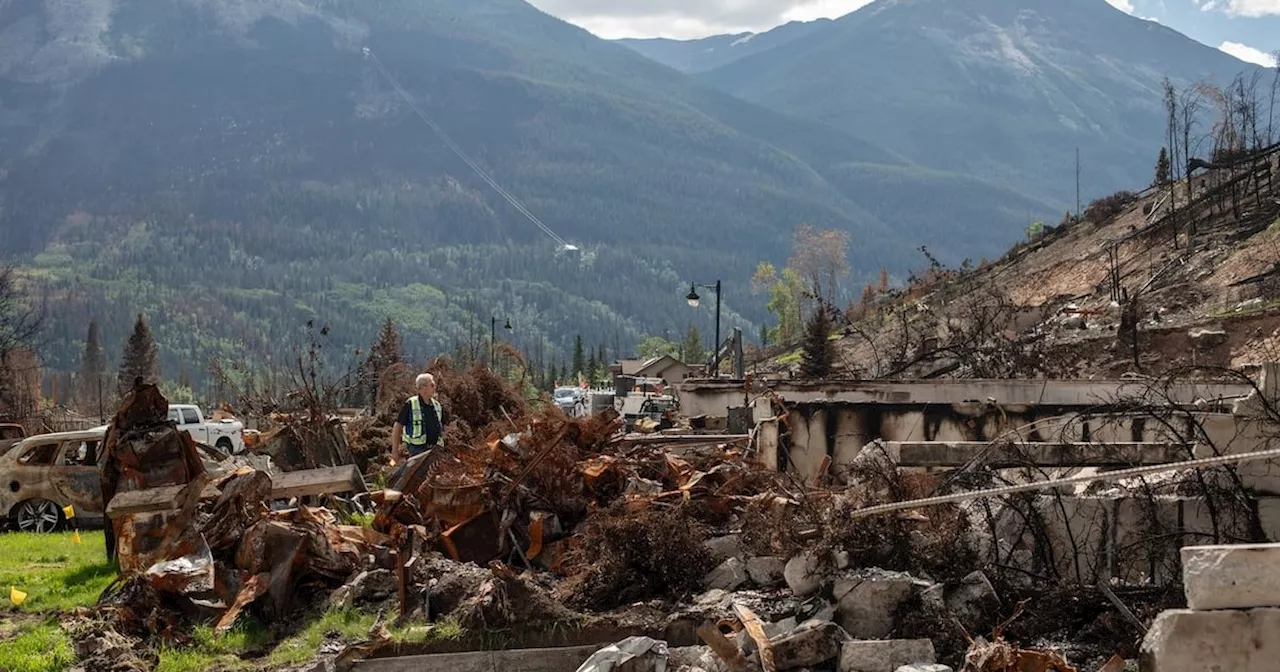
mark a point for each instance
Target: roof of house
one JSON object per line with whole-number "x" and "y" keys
{"x": 629, "y": 367}
{"x": 660, "y": 364}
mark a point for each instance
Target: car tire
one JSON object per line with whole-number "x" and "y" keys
{"x": 38, "y": 515}
{"x": 224, "y": 444}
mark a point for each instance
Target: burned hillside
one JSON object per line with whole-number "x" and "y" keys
{"x": 1180, "y": 274}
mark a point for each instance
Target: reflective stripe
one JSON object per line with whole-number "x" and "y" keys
{"x": 415, "y": 433}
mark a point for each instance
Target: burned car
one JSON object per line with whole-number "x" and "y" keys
{"x": 43, "y": 474}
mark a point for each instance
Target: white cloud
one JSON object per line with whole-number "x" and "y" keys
{"x": 1248, "y": 54}
{"x": 1252, "y": 8}
{"x": 1122, "y": 5}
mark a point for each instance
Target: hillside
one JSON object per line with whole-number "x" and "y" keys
{"x": 1005, "y": 90}
{"x": 236, "y": 168}
{"x": 1195, "y": 285}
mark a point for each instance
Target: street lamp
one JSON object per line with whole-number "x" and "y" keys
{"x": 493, "y": 336}
{"x": 693, "y": 302}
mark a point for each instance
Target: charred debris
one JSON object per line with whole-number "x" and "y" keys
{"x": 531, "y": 528}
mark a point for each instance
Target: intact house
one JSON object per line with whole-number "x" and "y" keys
{"x": 665, "y": 367}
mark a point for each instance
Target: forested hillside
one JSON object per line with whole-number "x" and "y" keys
{"x": 234, "y": 169}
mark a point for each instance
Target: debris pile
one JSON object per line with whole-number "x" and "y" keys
{"x": 530, "y": 519}
{"x": 195, "y": 546}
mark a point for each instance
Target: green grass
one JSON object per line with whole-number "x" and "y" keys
{"x": 56, "y": 573}
{"x": 791, "y": 357}
{"x": 38, "y": 647}
{"x": 59, "y": 575}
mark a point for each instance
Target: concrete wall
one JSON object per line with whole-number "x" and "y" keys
{"x": 841, "y": 430}
{"x": 1133, "y": 539}
{"x": 712, "y": 397}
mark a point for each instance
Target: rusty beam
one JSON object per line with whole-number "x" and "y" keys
{"x": 323, "y": 481}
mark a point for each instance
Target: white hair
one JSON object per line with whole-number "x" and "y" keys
{"x": 422, "y": 380}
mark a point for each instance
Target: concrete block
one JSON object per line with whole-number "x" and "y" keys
{"x": 808, "y": 646}
{"x": 1181, "y": 640}
{"x": 728, "y": 546}
{"x": 803, "y": 575}
{"x": 1239, "y": 576}
{"x": 766, "y": 570}
{"x": 728, "y": 575}
{"x": 885, "y": 655}
{"x": 868, "y": 600}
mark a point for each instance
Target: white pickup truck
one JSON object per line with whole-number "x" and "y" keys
{"x": 226, "y": 435}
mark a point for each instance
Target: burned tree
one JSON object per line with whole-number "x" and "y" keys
{"x": 819, "y": 257}
{"x": 20, "y": 325}
{"x": 384, "y": 354}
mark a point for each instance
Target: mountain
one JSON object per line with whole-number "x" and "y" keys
{"x": 235, "y": 168}
{"x": 709, "y": 53}
{"x": 1004, "y": 90}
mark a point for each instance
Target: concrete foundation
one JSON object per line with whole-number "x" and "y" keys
{"x": 556, "y": 659}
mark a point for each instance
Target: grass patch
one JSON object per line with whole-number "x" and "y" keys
{"x": 351, "y": 626}
{"x": 214, "y": 652}
{"x": 59, "y": 575}
{"x": 55, "y": 573}
{"x": 791, "y": 357}
{"x": 42, "y": 647}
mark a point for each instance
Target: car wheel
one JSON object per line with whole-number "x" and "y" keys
{"x": 38, "y": 515}
{"x": 224, "y": 444}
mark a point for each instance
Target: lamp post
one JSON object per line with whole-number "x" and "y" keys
{"x": 693, "y": 301}
{"x": 493, "y": 336}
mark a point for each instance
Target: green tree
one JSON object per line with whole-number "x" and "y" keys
{"x": 593, "y": 366}
{"x": 692, "y": 348}
{"x": 140, "y": 359}
{"x": 818, "y": 358}
{"x": 1162, "y": 167}
{"x": 93, "y": 369}
{"x": 579, "y": 356}
{"x": 655, "y": 346}
{"x": 786, "y": 292}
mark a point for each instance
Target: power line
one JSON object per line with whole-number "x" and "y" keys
{"x": 1120, "y": 474}
{"x": 515, "y": 203}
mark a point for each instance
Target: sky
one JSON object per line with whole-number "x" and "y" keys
{"x": 1246, "y": 29}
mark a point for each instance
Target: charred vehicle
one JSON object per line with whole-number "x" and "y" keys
{"x": 41, "y": 475}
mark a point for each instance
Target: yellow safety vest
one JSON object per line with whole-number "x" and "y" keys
{"x": 416, "y": 434}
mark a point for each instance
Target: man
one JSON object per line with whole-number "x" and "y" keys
{"x": 420, "y": 424}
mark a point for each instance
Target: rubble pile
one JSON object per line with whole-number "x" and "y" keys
{"x": 215, "y": 548}
{"x": 546, "y": 521}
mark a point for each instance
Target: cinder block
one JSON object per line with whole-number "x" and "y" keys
{"x": 884, "y": 655}
{"x": 1239, "y": 576}
{"x": 1182, "y": 640}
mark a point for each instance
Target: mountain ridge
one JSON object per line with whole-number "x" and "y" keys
{"x": 237, "y": 169}
{"x": 1004, "y": 89}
